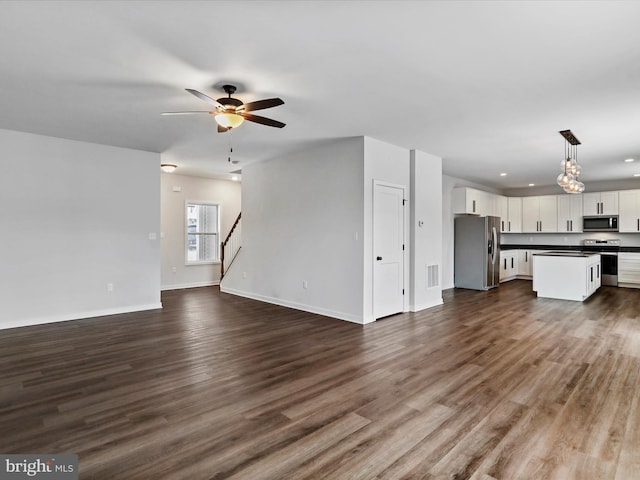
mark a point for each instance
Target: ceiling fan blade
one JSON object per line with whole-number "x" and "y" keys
{"x": 263, "y": 120}
{"x": 204, "y": 97}
{"x": 185, "y": 113}
{"x": 222, "y": 129}
{"x": 261, "y": 104}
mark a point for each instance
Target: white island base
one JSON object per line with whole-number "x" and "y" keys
{"x": 566, "y": 275}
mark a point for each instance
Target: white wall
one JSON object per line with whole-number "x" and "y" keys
{"x": 76, "y": 217}
{"x": 426, "y": 229}
{"x": 224, "y": 192}
{"x": 302, "y": 220}
{"x": 387, "y": 163}
{"x": 309, "y": 217}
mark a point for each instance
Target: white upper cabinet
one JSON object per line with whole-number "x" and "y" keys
{"x": 629, "y": 211}
{"x": 502, "y": 211}
{"x": 569, "y": 213}
{"x": 600, "y": 203}
{"x": 510, "y": 213}
{"x": 472, "y": 201}
{"x": 540, "y": 214}
{"x": 514, "y": 223}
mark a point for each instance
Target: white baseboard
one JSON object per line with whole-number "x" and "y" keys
{"x": 424, "y": 306}
{"x": 188, "y": 285}
{"x": 298, "y": 306}
{"x": 77, "y": 315}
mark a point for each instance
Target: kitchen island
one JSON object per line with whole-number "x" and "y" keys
{"x": 566, "y": 275}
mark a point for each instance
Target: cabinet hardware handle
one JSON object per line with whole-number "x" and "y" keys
{"x": 502, "y": 225}
{"x": 526, "y": 256}
{"x": 638, "y": 223}
{"x": 474, "y": 206}
{"x": 509, "y": 222}
{"x": 505, "y": 263}
{"x": 511, "y": 262}
{"x": 591, "y": 271}
{"x": 571, "y": 223}
{"x": 568, "y": 226}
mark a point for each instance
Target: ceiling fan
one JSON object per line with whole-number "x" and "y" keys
{"x": 231, "y": 112}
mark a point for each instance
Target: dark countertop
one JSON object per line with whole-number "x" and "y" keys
{"x": 575, "y": 248}
{"x": 566, "y": 254}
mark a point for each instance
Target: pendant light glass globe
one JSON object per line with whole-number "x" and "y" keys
{"x": 573, "y": 187}
{"x": 565, "y": 179}
{"x": 576, "y": 169}
{"x": 565, "y": 165}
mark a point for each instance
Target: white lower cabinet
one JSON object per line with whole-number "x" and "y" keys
{"x": 524, "y": 263}
{"x": 508, "y": 264}
{"x": 629, "y": 269}
{"x": 594, "y": 277}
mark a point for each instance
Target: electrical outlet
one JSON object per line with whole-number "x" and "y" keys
{"x": 174, "y": 269}
{"x": 244, "y": 274}
{"x": 109, "y": 287}
{"x": 305, "y": 284}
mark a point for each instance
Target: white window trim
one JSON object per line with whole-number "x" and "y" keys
{"x": 185, "y": 224}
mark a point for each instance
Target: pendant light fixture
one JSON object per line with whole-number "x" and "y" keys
{"x": 570, "y": 168}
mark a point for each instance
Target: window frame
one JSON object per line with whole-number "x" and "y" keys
{"x": 210, "y": 203}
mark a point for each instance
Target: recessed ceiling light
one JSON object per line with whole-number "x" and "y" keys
{"x": 629, "y": 160}
{"x": 532, "y": 184}
{"x": 636, "y": 174}
{"x": 235, "y": 178}
{"x": 503, "y": 174}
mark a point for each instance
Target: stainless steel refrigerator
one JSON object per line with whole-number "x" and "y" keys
{"x": 477, "y": 252}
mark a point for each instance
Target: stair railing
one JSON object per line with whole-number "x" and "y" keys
{"x": 231, "y": 246}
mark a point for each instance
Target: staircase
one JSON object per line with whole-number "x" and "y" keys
{"x": 231, "y": 246}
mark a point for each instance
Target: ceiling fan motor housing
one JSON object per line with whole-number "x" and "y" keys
{"x": 230, "y": 102}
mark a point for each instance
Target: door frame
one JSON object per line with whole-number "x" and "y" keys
{"x": 405, "y": 272}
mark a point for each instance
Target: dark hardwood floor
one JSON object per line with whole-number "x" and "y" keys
{"x": 490, "y": 385}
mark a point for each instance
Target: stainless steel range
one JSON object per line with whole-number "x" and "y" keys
{"x": 608, "y": 250}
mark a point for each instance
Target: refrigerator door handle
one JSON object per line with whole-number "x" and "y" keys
{"x": 494, "y": 241}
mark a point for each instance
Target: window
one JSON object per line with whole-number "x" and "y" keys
{"x": 203, "y": 244}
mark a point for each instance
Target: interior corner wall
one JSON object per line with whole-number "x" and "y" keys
{"x": 426, "y": 231}
{"x": 390, "y": 164}
{"x": 302, "y": 231}
{"x": 174, "y": 273}
{"x": 76, "y": 218}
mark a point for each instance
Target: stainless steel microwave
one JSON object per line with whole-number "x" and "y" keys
{"x": 601, "y": 223}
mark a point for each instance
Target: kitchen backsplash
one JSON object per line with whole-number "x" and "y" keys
{"x": 626, "y": 239}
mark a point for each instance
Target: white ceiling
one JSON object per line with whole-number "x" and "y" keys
{"x": 485, "y": 85}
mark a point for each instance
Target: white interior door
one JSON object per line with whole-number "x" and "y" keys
{"x": 388, "y": 250}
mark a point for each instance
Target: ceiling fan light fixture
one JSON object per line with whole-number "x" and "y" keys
{"x": 229, "y": 120}
{"x": 168, "y": 167}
